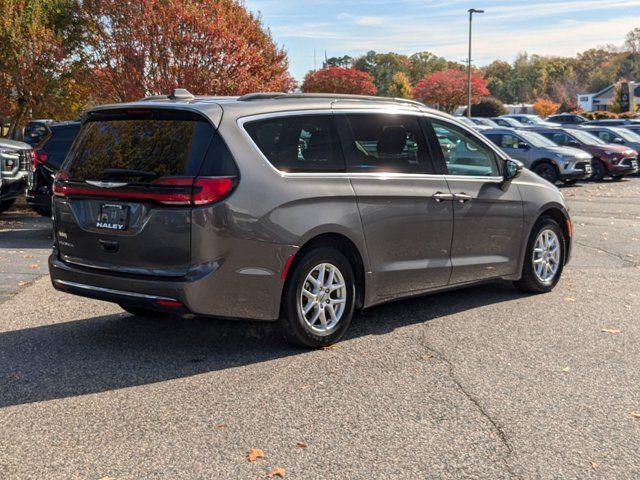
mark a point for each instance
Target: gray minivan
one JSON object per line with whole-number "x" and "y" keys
{"x": 296, "y": 208}
{"x": 542, "y": 156}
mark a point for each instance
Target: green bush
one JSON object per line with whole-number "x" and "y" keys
{"x": 488, "y": 107}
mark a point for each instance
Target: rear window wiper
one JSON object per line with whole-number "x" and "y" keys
{"x": 123, "y": 172}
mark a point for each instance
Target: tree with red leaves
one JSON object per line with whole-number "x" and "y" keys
{"x": 448, "y": 89}
{"x": 150, "y": 47}
{"x": 339, "y": 80}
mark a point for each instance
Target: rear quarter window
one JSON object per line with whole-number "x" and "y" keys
{"x": 298, "y": 143}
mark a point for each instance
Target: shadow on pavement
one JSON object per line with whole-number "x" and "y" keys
{"x": 20, "y": 232}
{"x": 118, "y": 351}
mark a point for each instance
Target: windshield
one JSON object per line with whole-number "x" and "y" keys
{"x": 537, "y": 140}
{"x": 586, "y": 138}
{"x": 628, "y": 135}
{"x": 466, "y": 121}
{"x": 486, "y": 121}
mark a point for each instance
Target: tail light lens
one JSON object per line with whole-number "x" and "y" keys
{"x": 38, "y": 157}
{"x": 181, "y": 191}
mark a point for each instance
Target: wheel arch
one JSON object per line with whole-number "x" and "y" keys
{"x": 542, "y": 160}
{"x": 561, "y": 216}
{"x": 344, "y": 245}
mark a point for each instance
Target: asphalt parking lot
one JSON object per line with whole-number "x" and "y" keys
{"x": 478, "y": 383}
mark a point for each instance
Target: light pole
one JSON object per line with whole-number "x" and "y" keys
{"x": 471, "y": 12}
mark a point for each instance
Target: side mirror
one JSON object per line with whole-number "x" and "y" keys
{"x": 512, "y": 169}
{"x": 573, "y": 143}
{"x": 523, "y": 146}
{"x": 618, "y": 141}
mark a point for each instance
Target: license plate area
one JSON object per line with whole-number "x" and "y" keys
{"x": 113, "y": 217}
{"x": 634, "y": 163}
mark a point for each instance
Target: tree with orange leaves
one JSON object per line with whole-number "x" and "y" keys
{"x": 545, "y": 107}
{"x": 149, "y": 47}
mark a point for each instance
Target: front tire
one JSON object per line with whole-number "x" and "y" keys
{"x": 545, "y": 257}
{"x": 6, "y": 205}
{"x": 599, "y": 171}
{"x": 319, "y": 299}
{"x": 547, "y": 171}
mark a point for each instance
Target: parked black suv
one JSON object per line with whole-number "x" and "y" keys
{"x": 47, "y": 158}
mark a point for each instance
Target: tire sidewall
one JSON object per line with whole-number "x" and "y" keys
{"x": 294, "y": 328}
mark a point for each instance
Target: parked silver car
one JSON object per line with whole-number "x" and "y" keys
{"x": 15, "y": 162}
{"x": 296, "y": 208}
{"x": 528, "y": 120}
{"x": 544, "y": 157}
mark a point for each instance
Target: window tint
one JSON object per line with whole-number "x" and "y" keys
{"x": 301, "y": 143}
{"x": 387, "y": 143}
{"x": 557, "y": 137}
{"x": 606, "y": 136}
{"x": 464, "y": 154}
{"x": 139, "y": 150}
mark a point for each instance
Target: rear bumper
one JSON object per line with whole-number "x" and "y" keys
{"x": 205, "y": 291}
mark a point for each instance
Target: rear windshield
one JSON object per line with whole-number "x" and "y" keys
{"x": 141, "y": 150}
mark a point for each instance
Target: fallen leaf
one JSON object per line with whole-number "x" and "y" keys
{"x": 595, "y": 465}
{"x": 254, "y": 454}
{"x": 277, "y": 471}
{"x": 330, "y": 347}
{"x": 611, "y": 330}
{"x": 566, "y": 369}
{"x": 569, "y": 299}
{"x": 301, "y": 445}
{"x": 22, "y": 283}
{"x": 221, "y": 425}
{"x": 33, "y": 266}
{"x": 635, "y": 414}
{"x": 27, "y": 256}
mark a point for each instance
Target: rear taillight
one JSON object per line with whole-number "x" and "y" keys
{"x": 211, "y": 189}
{"x": 38, "y": 157}
{"x": 168, "y": 191}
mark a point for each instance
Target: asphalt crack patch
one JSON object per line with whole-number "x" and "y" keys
{"x": 619, "y": 256}
{"x": 502, "y": 436}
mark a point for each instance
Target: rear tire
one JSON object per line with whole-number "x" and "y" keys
{"x": 319, "y": 299}
{"x": 42, "y": 211}
{"x": 6, "y": 205}
{"x": 535, "y": 278}
{"x": 599, "y": 171}
{"x": 547, "y": 171}
{"x": 141, "y": 312}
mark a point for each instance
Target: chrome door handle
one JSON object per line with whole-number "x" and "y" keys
{"x": 440, "y": 196}
{"x": 462, "y": 197}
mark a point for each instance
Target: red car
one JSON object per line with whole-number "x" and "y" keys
{"x": 615, "y": 161}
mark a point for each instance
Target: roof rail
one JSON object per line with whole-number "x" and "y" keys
{"x": 334, "y": 96}
{"x": 154, "y": 97}
{"x": 261, "y": 96}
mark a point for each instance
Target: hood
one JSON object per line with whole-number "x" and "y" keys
{"x": 617, "y": 149}
{"x": 5, "y": 143}
{"x": 570, "y": 152}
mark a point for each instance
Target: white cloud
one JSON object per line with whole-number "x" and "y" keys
{"x": 365, "y": 20}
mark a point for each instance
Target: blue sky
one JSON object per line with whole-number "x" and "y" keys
{"x": 350, "y": 27}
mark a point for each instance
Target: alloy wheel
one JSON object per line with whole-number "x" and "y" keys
{"x": 323, "y": 299}
{"x": 546, "y": 256}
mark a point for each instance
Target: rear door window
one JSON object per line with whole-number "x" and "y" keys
{"x": 298, "y": 143}
{"x": 386, "y": 143}
{"x": 139, "y": 147}
{"x": 59, "y": 144}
